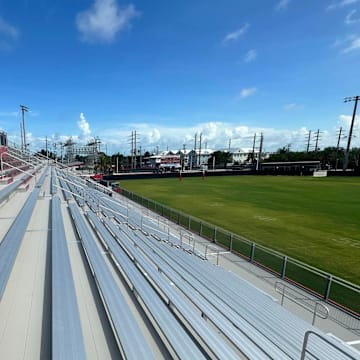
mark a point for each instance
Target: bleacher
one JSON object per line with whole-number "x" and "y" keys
{"x": 192, "y": 308}
{"x": 205, "y": 299}
{"x": 14, "y": 162}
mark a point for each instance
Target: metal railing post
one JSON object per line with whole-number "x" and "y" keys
{"x": 328, "y": 286}
{"x": 252, "y": 252}
{"x": 283, "y": 270}
{"x": 350, "y": 356}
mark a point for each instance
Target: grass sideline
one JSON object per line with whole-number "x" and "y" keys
{"x": 315, "y": 220}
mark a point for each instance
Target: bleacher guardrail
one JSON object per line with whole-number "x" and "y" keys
{"x": 331, "y": 289}
{"x": 306, "y": 350}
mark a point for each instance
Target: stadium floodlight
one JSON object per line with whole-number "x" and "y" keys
{"x": 348, "y": 99}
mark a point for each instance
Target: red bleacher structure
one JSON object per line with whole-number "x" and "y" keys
{"x": 11, "y": 160}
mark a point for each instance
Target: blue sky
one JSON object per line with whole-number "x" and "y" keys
{"x": 171, "y": 69}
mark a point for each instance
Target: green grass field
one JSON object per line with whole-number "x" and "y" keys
{"x": 315, "y": 220}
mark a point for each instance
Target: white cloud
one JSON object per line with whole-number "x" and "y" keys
{"x": 347, "y": 44}
{"x": 354, "y": 45}
{"x": 215, "y": 136}
{"x": 282, "y": 5}
{"x": 153, "y": 136}
{"x": 8, "y": 35}
{"x": 84, "y": 126}
{"x": 104, "y": 20}
{"x": 346, "y": 120}
{"x": 292, "y": 106}
{"x": 8, "y": 30}
{"x": 9, "y": 113}
{"x": 349, "y": 19}
{"x": 244, "y": 93}
{"x": 341, "y": 3}
{"x": 233, "y": 36}
{"x": 250, "y": 56}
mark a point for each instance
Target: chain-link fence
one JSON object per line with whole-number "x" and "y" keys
{"x": 325, "y": 286}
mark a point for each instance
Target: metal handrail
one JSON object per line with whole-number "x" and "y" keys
{"x": 324, "y": 314}
{"x": 216, "y": 252}
{"x": 15, "y": 167}
{"x": 17, "y": 158}
{"x": 323, "y": 338}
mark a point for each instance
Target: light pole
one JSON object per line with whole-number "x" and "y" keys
{"x": 348, "y": 99}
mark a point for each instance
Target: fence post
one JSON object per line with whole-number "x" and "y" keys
{"x": 189, "y": 227}
{"x": 214, "y": 236}
{"x": 252, "y": 252}
{"x": 283, "y": 270}
{"x": 178, "y": 219}
{"x": 170, "y": 214}
{"x": 200, "y": 230}
{"x": 231, "y": 242}
{"x": 328, "y": 286}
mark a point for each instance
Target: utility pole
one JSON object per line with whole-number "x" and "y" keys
{"x": 253, "y": 149}
{"x": 200, "y": 148}
{"x": 308, "y": 142}
{"x": 337, "y": 147}
{"x": 61, "y": 151}
{"x": 229, "y": 144}
{"x": 195, "y": 162}
{"x": 134, "y": 149}
{"x": 348, "y": 99}
{"x": 317, "y": 134}
{"x": 24, "y": 109}
{"x": 260, "y": 151}
{"x": 46, "y": 147}
{"x": 184, "y": 157}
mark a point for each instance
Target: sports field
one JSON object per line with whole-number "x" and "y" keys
{"x": 315, "y": 220}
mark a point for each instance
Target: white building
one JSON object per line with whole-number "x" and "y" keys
{"x": 242, "y": 156}
{"x": 197, "y": 158}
